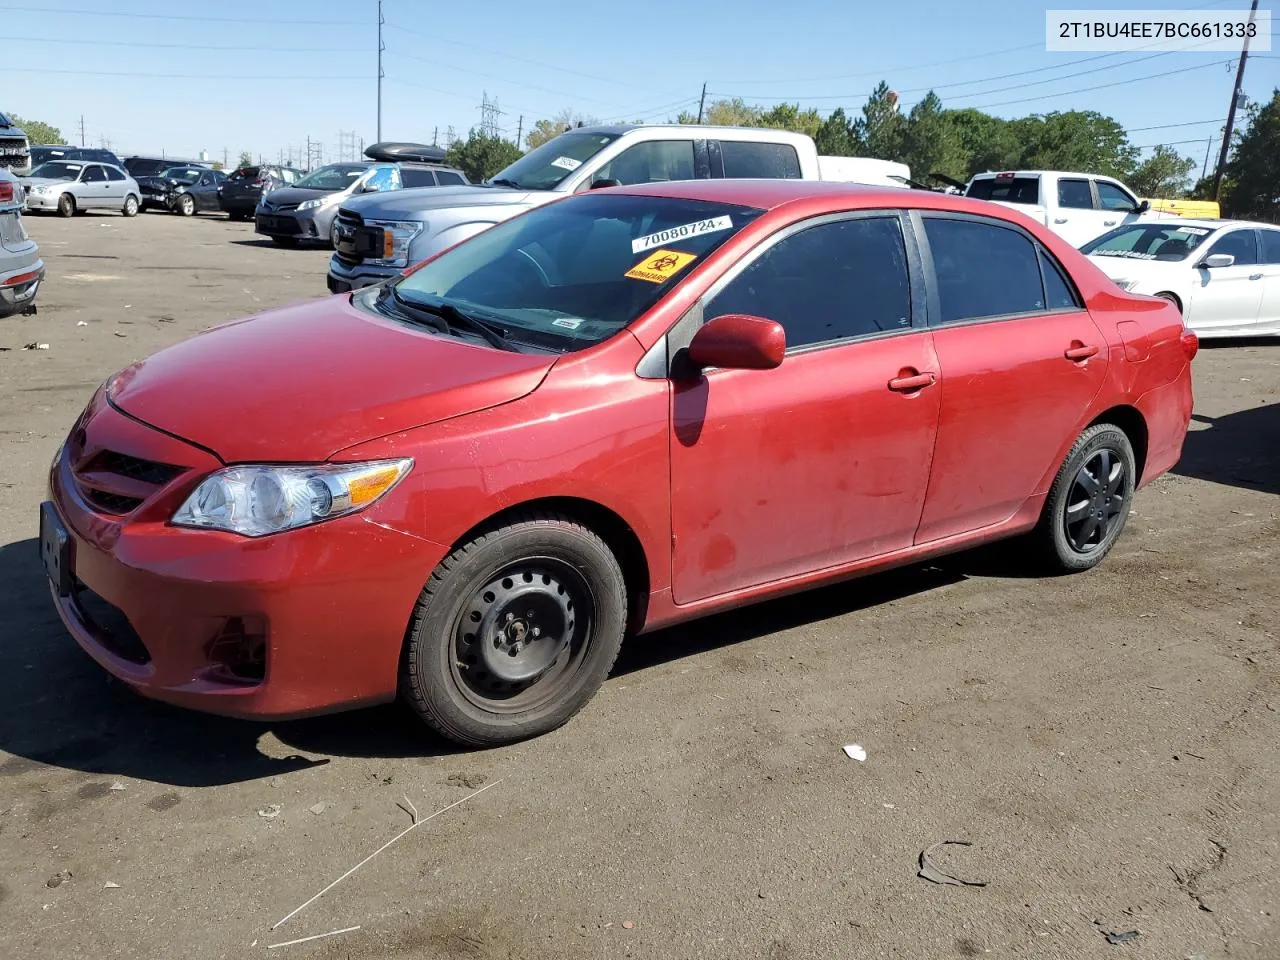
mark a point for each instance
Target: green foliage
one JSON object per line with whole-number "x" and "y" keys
{"x": 1163, "y": 174}
{"x": 1076, "y": 140}
{"x": 836, "y": 136}
{"x": 882, "y": 129}
{"x": 986, "y": 142}
{"x": 788, "y": 116}
{"x": 37, "y": 131}
{"x": 1254, "y": 167}
{"x": 545, "y": 130}
{"x": 246, "y": 159}
{"x": 481, "y": 156}
{"x": 931, "y": 143}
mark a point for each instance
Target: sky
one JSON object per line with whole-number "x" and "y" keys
{"x": 266, "y": 75}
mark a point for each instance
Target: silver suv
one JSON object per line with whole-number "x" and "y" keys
{"x": 21, "y": 268}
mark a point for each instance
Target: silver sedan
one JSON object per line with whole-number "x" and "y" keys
{"x": 70, "y": 185}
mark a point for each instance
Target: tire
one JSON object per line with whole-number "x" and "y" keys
{"x": 1172, "y": 298}
{"x": 1081, "y": 522}
{"x": 130, "y": 208}
{"x": 186, "y": 205}
{"x": 285, "y": 241}
{"x": 551, "y": 572}
{"x": 333, "y": 234}
{"x": 66, "y": 205}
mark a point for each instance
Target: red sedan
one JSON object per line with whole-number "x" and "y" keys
{"x": 614, "y": 412}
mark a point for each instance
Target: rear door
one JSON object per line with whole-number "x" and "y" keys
{"x": 1227, "y": 300}
{"x": 1020, "y": 362}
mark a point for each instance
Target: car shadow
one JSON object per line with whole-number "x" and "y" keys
{"x": 58, "y": 708}
{"x": 1240, "y": 449}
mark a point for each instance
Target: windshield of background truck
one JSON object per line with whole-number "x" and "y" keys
{"x": 574, "y": 273}
{"x": 546, "y": 166}
{"x": 57, "y": 170}
{"x": 1011, "y": 190}
{"x": 336, "y": 176}
{"x": 1168, "y": 242}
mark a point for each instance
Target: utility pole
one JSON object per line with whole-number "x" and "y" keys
{"x": 308, "y": 151}
{"x": 225, "y": 158}
{"x": 702, "y": 102}
{"x": 520, "y": 130}
{"x": 435, "y": 137}
{"x": 381, "y": 47}
{"x": 82, "y": 129}
{"x": 1237, "y": 94}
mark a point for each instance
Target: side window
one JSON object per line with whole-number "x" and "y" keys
{"x": 448, "y": 178}
{"x": 747, "y": 160}
{"x": 1270, "y": 245}
{"x": 1240, "y": 244}
{"x": 982, "y": 270}
{"x": 113, "y": 173}
{"x": 846, "y": 278}
{"x": 93, "y": 175}
{"x": 1075, "y": 194}
{"x": 1059, "y": 294}
{"x": 416, "y": 177}
{"x": 651, "y": 162}
{"x": 382, "y": 178}
{"x": 1111, "y": 197}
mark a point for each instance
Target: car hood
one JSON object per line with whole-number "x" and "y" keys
{"x": 30, "y": 182}
{"x": 1135, "y": 268}
{"x": 411, "y": 204}
{"x": 296, "y": 195}
{"x": 300, "y": 383}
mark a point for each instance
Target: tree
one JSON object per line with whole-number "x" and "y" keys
{"x": 1253, "y": 170}
{"x": 37, "y": 131}
{"x": 881, "y": 127}
{"x": 789, "y": 116}
{"x": 1163, "y": 174}
{"x": 246, "y": 159}
{"x": 931, "y": 143}
{"x": 1075, "y": 140}
{"x": 726, "y": 113}
{"x": 987, "y": 142}
{"x": 480, "y": 156}
{"x": 836, "y": 136}
{"x": 545, "y": 130}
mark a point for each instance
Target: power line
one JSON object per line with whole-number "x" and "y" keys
{"x": 182, "y": 46}
{"x": 175, "y": 16}
{"x": 1102, "y": 86}
{"x": 877, "y": 73}
{"x": 489, "y": 76}
{"x": 1166, "y": 126}
{"x": 169, "y": 76}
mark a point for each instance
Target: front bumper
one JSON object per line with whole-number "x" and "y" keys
{"x": 18, "y": 286}
{"x": 305, "y": 622}
{"x": 344, "y": 277}
{"x": 310, "y": 224}
{"x": 42, "y": 201}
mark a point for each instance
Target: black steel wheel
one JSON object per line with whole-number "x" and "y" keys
{"x": 1089, "y": 501}
{"x": 515, "y": 631}
{"x": 66, "y": 205}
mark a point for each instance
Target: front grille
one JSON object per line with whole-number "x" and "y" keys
{"x": 286, "y": 225}
{"x": 147, "y": 471}
{"x": 112, "y": 503}
{"x": 285, "y": 207}
{"x": 110, "y": 626}
{"x": 347, "y": 251}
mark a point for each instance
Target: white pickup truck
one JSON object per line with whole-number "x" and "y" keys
{"x": 379, "y": 234}
{"x": 1076, "y": 206}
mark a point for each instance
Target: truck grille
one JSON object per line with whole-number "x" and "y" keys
{"x": 349, "y": 226}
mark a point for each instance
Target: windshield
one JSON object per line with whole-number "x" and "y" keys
{"x": 545, "y": 167}
{"x": 571, "y": 274}
{"x": 1168, "y": 241}
{"x": 58, "y": 170}
{"x": 41, "y": 155}
{"x": 182, "y": 174}
{"x": 336, "y": 176}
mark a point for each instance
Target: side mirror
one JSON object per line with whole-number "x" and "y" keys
{"x": 1142, "y": 207}
{"x": 605, "y": 182}
{"x": 738, "y": 342}
{"x": 1219, "y": 260}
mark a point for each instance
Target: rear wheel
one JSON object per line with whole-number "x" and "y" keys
{"x": 515, "y": 631}
{"x": 130, "y": 208}
{"x": 66, "y": 205}
{"x": 186, "y": 205}
{"x": 1089, "y": 501}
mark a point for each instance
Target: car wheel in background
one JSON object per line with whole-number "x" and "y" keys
{"x": 66, "y": 205}
{"x": 1172, "y": 298}
{"x": 1089, "y": 501}
{"x": 515, "y": 631}
{"x": 333, "y": 234}
{"x": 186, "y": 205}
{"x": 130, "y": 206}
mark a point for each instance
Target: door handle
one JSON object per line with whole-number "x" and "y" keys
{"x": 1060, "y": 220}
{"x": 909, "y": 381}
{"x": 1078, "y": 351}
{"x": 1255, "y": 276}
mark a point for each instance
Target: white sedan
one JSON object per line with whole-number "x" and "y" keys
{"x": 1224, "y": 275}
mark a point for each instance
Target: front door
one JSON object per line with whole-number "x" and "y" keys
{"x": 1269, "y": 313}
{"x": 95, "y": 188}
{"x": 825, "y": 459}
{"x": 1075, "y": 219}
{"x": 1227, "y": 300}
{"x": 1020, "y": 360}
{"x": 205, "y": 192}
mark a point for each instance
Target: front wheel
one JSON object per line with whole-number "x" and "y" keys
{"x": 186, "y": 205}
{"x": 1089, "y": 501}
{"x": 515, "y": 631}
{"x": 66, "y": 205}
{"x": 130, "y": 208}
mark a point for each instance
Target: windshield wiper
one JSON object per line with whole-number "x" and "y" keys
{"x": 505, "y": 182}
{"x": 458, "y": 320}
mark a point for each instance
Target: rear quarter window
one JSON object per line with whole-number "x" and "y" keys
{"x": 748, "y": 160}
{"x": 1013, "y": 190}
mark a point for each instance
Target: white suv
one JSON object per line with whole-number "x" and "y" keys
{"x": 21, "y": 268}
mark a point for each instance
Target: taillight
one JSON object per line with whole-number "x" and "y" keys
{"x": 259, "y": 182}
{"x": 1190, "y": 344}
{"x": 6, "y": 192}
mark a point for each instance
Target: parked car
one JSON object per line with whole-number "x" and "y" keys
{"x": 612, "y": 413}
{"x": 1077, "y": 206}
{"x": 21, "y": 268}
{"x": 246, "y": 187}
{"x": 185, "y": 190}
{"x": 68, "y": 187}
{"x": 308, "y": 209}
{"x": 139, "y": 167}
{"x": 15, "y": 151}
{"x": 44, "y": 152}
{"x": 1223, "y": 275}
{"x": 381, "y": 235}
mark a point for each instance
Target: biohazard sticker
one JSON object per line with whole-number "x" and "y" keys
{"x": 682, "y": 232}
{"x": 661, "y": 265}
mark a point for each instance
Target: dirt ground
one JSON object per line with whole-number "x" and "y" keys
{"x": 1106, "y": 742}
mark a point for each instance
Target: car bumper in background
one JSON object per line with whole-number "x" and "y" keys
{"x": 304, "y": 225}
{"x": 42, "y": 201}
{"x": 18, "y": 284}
{"x": 344, "y": 277}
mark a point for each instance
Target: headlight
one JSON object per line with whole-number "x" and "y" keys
{"x": 255, "y": 501}
{"x": 40, "y": 189}
{"x": 312, "y": 204}
{"x": 396, "y": 237}
{"x": 1126, "y": 284}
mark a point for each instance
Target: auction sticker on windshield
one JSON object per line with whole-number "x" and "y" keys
{"x": 566, "y": 163}
{"x": 683, "y": 232}
{"x": 661, "y": 266}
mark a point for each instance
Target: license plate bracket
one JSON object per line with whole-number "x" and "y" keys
{"x": 55, "y": 550}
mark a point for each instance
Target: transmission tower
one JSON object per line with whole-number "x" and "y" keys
{"x": 489, "y": 114}
{"x": 347, "y": 145}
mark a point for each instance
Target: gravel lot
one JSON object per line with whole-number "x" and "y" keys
{"x": 1106, "y": 742}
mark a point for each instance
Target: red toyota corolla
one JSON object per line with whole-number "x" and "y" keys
{"x": 614, "y": 412}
